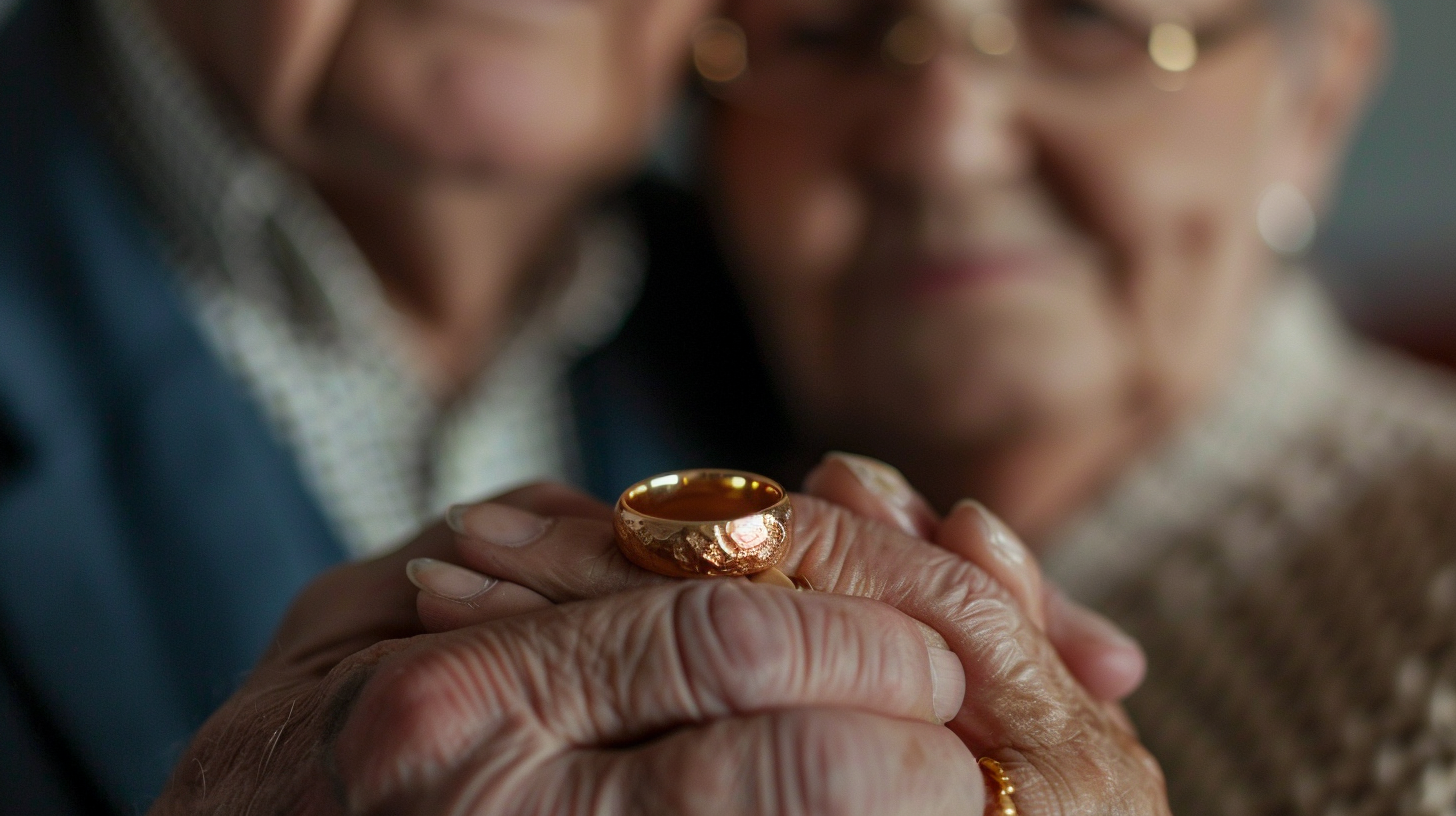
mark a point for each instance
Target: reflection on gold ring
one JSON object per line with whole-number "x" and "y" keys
{"x": 704, "y": 523}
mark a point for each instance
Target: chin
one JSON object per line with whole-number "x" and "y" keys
{"x": 520, "y": 140}
{"x": 510, "y": 113}
{"x": 969, "y": 388}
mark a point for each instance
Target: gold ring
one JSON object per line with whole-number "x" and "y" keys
{"x": 1004, "y": 788}
{"x": 704, "y": 523}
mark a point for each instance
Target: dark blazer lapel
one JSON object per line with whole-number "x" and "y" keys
{"x": 151, "y": 530}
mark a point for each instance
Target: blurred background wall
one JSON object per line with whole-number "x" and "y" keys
{"x": 1389, "y": 248}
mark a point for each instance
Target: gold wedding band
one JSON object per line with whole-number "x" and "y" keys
{"x": 1004, "y": 788}
{"x": 705, "y": 523}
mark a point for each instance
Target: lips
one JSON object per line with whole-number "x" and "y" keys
{"x": 931, "y": 279}
{"x": 538, "y": 11}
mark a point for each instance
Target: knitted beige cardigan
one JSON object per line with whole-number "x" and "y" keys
{"x": 1289, "y": 563}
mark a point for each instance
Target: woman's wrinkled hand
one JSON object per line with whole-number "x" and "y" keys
{"x": 1068, "y": 750}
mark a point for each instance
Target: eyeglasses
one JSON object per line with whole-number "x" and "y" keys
{"x": 808, "y": 61}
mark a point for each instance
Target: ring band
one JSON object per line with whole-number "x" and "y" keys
{"x": 773, "y": 576}
{"x": 1004, "y": 788}
{"x": 704, "y": 523}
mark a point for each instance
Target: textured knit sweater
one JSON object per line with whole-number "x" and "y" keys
{"x": 1289, "y": 563}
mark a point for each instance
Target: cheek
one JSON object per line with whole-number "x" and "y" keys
{"x": 446, "y": 95}
{"x": 796, "y": 221}
{"x": 1173, "y": 204}
{"x": 571, "y": 96}
{"x": 796, "y": 218}
{"x": 269, "y": 55}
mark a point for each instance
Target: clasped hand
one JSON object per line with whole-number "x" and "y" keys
{"x": 571, "y": 681}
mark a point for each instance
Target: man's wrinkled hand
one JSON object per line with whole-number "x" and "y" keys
{"x": 706, "y": 697}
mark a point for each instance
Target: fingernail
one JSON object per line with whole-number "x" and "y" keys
{"x": 496, "y": 523}
{"x": 885, "y": 482}
{"x": 947, "y": 683}
{"x": 1092, "y": 626}
{"x": 933, "y": 639}
{"x": 1120, "y": 664}
{"x": 446, "y": 580}
{"x": 1109, "y": 632}
{"x": 1002, "y": 543}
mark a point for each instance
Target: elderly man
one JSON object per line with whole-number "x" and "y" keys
{"x": 280, "y": 282}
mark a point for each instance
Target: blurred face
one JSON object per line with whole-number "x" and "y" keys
{"x": 508, "y": 90}
{"x": 961, "y": 220}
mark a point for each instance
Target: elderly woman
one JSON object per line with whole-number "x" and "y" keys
{"x": 1036, "y": 252}
{"x": 280, "y": 280}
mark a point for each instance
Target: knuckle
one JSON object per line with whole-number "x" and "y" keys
{"x": 419, "y": 712}
{"x": 998, "y": 635}
{"x": 747, "y": 648}
{"x": 737, "y": 646}
{"x": 1094, "y": 772}
{"x": 812, "y": 753}
{"x": 697, "y": 783}
{"x": 1016, "y": 674}
{"x": 845, "y": 764}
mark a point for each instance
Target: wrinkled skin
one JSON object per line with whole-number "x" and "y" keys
{"x": 638, "y": 694}
{"x": 722, "y": 697}
{"x": 1067, "y": 751}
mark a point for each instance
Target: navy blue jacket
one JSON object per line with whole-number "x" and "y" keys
{"x": 151, "y": 530}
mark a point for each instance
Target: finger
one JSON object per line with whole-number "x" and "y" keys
{"x": 1107, "y": 662}
{"x": 328, "y": 611}
{"x": 550, "y": 561}
{"x": 781, "y": 764}
{"x": 842, "y": 553}
{"x": 575, "y": 559}
{"x": 1026, "y": 709}
{"x": 629, "y": 667}
{"x": 874, "y": 490}
{"x": 973, "y": 533}
{"x": 555, "y": 499}
{"x": 327, "y": 622}
{"x": 563, "y": 559}
{"x": 453, "y": 597}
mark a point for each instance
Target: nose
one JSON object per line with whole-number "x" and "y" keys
{"x": 950, "y": 123}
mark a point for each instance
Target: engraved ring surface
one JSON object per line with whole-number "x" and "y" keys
{"x": 705, "y": 523}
